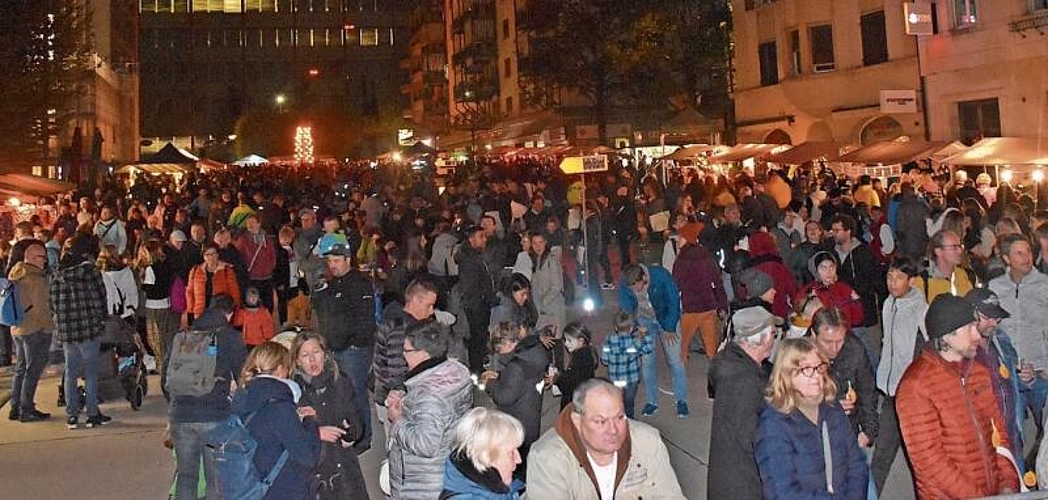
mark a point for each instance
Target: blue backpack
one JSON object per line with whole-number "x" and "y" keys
{"x": 233, "y": 448}
{"x": 11, "y": 311}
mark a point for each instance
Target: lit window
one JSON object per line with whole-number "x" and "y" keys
{"x": 180, "y": 6}
{"x": 368, "y": 37}
{"x": 965, "y": 12}
{"x": 38, "y": 170}
{"x": 391, "y": 37}
{"x": 232, "y": 6}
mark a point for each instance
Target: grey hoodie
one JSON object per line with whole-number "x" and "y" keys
{"x": 902, "y": 320}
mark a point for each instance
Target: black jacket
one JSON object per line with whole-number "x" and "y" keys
{"x": 864, "y": 273}
{"x": 852, "y": 368}
{"x": 344, "y": 309}
{"x": 514, "y": 391}
{"x": 475, "y": 279}
{"x": 581, "y": 368}
{"x": 334, "y": 400}
{"x": 739, "y": 382}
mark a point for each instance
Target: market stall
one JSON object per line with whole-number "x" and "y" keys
{"x": 25, "y": 196}
{"x": 886, "y": 159}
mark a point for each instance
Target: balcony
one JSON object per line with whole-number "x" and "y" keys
{"x": 474, "y": 91}
{"x": 476, "y": 52}
{"x": 433, "y": 78}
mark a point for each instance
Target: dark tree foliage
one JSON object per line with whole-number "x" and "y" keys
{"x": 45, "y": 59}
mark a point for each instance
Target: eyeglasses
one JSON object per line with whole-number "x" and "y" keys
{"x": 953, "y": 247}
{"x": 810, "y": 371}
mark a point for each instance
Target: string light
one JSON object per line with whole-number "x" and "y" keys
{"x": 304, "y": 144}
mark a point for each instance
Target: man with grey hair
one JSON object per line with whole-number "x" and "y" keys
{"x": 738, "y": 377}
{"x": 593, "y": 431}
{"x": 438, "y": 392}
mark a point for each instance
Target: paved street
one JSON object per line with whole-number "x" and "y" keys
{"x": 126, "y": 460}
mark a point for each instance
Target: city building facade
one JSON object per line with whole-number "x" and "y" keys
{"x": 426, "y": 64}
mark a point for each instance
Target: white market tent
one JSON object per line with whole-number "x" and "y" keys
{"x": 1003, "y": 151}
{"x": 251, "y": 160}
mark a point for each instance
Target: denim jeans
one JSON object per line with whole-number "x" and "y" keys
{"x": 33, "y": 354}
{"x": 649, "y": 369}
{"x": 81, "y": 359}
{"x": 356, "y": 362}
{"x": 1033, "y": 397}
{"x": 629, "y": 398}
{"x": 190, "y": 440}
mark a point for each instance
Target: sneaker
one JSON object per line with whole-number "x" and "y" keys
{"x": 15, "y": 414}
{"x": 682, "y": 409}
{"x": 607, "y": 286}
{"x": 72, "y": 423}
{"x": 34, "y": 416}
{"x": 97, "y": 421}
{"x": 649, "y": 410}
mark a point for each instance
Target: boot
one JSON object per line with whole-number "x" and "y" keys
{"x": 61, "y": 396}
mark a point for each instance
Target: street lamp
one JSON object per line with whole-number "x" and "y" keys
{"x": 280, "y": 100}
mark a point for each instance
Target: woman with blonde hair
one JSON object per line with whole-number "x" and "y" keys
{"x": 484, "y": 454}
{"x": 805, "y": 447}
{"x": 267, "y": 403}
{"x": 155, "y": 274}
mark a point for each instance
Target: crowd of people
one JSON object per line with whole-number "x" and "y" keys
{"x": 841, "y": 322}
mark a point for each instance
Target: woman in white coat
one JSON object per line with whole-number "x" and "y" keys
{"x": 547, "y": 285}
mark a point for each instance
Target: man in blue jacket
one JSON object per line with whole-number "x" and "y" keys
{"x": 650, "y": 294}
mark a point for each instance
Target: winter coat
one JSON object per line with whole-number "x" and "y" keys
{"x": 1027, "y": 302}
{"x": 932, "y": 285}
{"x": 547, "y": 290}
{"x": 514, "y": 390}
{"x": 439, "y": 393}
{"x": 839, "y": 294}
{"x": 903, "y": 325}
{"x": 334, "y": 400}
{"x": 259, "y": 257}
{"x": 790, "y": 454}
{"x": 765, "y": 258}
{"x": 224, "y": 281}
{"x": 256, "y": 323}
{"x": 945, "y": 414}
{"x": 851, "y": 368}
{"x": 911, "y": 226}
{"x": 276, "y": 427}
{"x": 78, "y": 302}
{"x": 445, "y": 249}
{"x": 509, "y": 311}
{"x": 213, "y": 407}
{"x": 156, "y": 285}
{"x": 475, "y": 277}
{"x": 699, "y": 280}
{"x": 32, "y": 285}
{"x": 558, "y": 466}
{"x": 388, "y": 364}
{"x": 663, "y": 293}
{"x": 1000, "y": 360}
{"x": 112, "y": 233}
{"x": 860, "y": 269}
{"x": 462, "y": 481}
{"x": 121, "y": 292}
{"x": 739, "y": 382}
{"x": 344, "y": 311}
{"x": 581, "y": 367}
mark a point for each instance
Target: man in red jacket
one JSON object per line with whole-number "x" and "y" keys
{"x": 258, "y": 253}
{"x": 702, "y": 294}
{"x": 948, "y": 414}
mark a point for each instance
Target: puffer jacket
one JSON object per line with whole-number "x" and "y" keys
{"x": 78, "y": 298}
{"x": 903, "y": 322}
{"x": 462, "y": 481}
{"x": 388, "y": 364}
{"x": 1027, "y": 302}
{"x": 32, "y": 294}
{"x": 514, "y": 390}
{"x": 790, "y": 454}
{"x": 439, "y": 393}
{"x": 699, "y": 280}
{"x": 547, "y": 291}
{"x": 947, "y": 412}
{"x": 223, "y": 282}
{"x": 558, "y": 466}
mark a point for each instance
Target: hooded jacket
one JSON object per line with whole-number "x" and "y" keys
{"x": 514, "y": 390}
{"x": 764, "y": 253}
{"x": 276, "y": 427}
{"x": 860, "y": 269}
{"x": 213, "y": 407}
{"x": 699, "y": 280}
{"x": 1027, "y": 302}
{"x": 334, "y": 400}
{"x": 558, "y": 465}
{"x": 740, "y": 381}
{"x": 946, "y": 413}
{"x": 439, "y": 393}
{"x": 32, "y": 294}
{"x": 903, "y": 323}
{"x": 462, "y": 481}
{"x": 663, "y": 293}
{"x": 78, "y": 298}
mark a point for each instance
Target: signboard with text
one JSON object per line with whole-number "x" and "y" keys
{"x": 584, "y": 164}
{"x": 919, "y": 20}
{"x": 898, "y": 101}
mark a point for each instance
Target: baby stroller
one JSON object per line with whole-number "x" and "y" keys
{"x": 121, "y": 367}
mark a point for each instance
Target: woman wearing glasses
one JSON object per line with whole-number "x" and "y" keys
{"x": 805, "y": 446}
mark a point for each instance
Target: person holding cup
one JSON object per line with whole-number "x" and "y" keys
{"x": 850, "y": 369}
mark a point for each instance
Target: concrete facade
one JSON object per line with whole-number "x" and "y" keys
{"x": 426, "y": 63}
{"x": 998, "y": 55}
{"x": 810, "y": 97}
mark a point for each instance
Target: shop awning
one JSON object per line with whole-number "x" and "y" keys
{"x": 251, "y": 159}
{"x": 153, "y": 168}
{"x": 743, "y": 152}
{"x": 1003, "y": 151}
{"x": 893, "y": 152}
{"x": 690, "y": 152}
{"x": 33, "y": 186}
{"x": 806, "y": 152}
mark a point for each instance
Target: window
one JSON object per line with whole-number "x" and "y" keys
{"x": 979, "y": 119}
{"x": 822, "y": 48}
{"x": 505, "y": 28}
{"x": 874, "y": 39}
{"x": 769, "y": 63}
{"x": 368, "y": 37}
{"x": 795, "y": 52}
{"x": 965, "y": 13}
{"x": 1037, "y": 5}
{"x": 507, "y": 67}
{"x": 180, "y": 6}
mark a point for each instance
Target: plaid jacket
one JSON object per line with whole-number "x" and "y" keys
{"x": 621, "y": 354}
{"x": 78, "y": 303}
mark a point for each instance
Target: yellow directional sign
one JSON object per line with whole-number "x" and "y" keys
{"x": 584, "y": 164}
